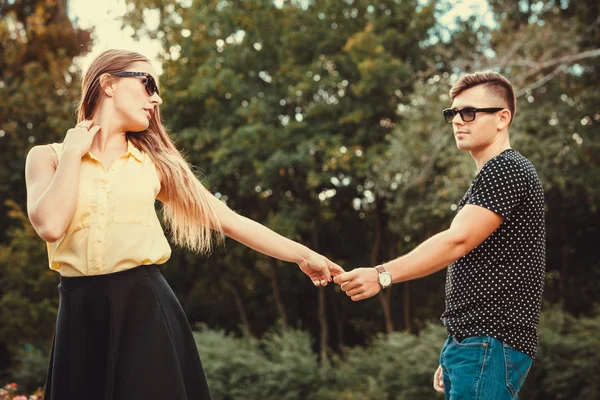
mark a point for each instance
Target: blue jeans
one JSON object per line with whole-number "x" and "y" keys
{"x": 482, "y": 368}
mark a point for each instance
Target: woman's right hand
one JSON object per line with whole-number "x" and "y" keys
{"x": 79, "y": 139}
{"x": 319, "y": 269}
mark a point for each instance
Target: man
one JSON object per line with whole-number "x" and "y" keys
{"x": 494, "y": 250}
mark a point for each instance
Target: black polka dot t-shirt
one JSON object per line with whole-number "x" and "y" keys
{"x": 496, "y": 289}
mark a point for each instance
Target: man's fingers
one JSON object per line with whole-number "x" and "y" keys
{"x": 349, "y": 285}
{"x": 335, "y": 268}
{"x": 354, "y": 292}
{"x": 361, "y": 294}
{"x": 344, "y": 277}
{"x": 359, "y": 297}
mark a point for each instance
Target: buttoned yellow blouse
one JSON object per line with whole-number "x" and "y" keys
{"x": 115, "y": 226}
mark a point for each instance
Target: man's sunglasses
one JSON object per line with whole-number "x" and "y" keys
{"x": 467, "y": 114}
{"x": 149, "y": 82}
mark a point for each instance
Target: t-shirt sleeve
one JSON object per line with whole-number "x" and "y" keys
{"x": 500, "y": 188}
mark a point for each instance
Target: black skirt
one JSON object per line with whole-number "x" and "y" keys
{"x": 123, "y": 336}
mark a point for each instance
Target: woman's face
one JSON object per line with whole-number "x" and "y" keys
{"x": 134, "y": 106}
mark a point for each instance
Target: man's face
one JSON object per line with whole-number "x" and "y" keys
{"x": 485, "y": 128}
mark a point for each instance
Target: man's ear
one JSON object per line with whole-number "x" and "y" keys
{"x": 505, "y": 118}
{"x": 107, "y": 84}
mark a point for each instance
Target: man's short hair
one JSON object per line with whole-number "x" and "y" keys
{"x": 494, "y": 82}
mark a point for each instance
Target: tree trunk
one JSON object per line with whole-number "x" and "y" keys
{"x": 324, "y": 331}
{"x": 564, "y": 267}
{"x": 277, "y": 295}
{"x": 385, "y": 296}
{"x": 406, "y": 304}
{"x": 241, "y": 309}
{"x": 321, "y": 303}
{"x": 339, "y": 323}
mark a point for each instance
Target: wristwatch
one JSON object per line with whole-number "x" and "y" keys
{"x": 383, "y": 277}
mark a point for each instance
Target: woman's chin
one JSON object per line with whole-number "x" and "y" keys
{"x": 138, "y": 126}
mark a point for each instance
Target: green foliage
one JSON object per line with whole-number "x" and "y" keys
{"x": 38, "y": 86}
{"x": 287, "y": 109}
{"x": 568, "y": 361}
{"x": 283, "y": 365}
{"x": 395, "y": 366}
{"x": 28, "y": 299}
{"x": 31, "y": 368}
{"x": 11, "y": 392}
{"x": 279, "y": 366}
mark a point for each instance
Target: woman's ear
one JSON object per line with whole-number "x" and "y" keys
{"x": 107, "y": 84}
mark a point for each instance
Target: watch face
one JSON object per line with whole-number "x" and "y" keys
{"x": 385, "y": 279}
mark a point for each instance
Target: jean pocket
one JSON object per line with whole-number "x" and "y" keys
{"x": 473, "y": 341}
{"x": 517, "y": 367}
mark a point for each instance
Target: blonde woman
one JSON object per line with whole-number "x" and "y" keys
{"x": 120, "y": 331}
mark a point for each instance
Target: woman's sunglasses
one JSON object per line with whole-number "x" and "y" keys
{"x": 149, "y": 82}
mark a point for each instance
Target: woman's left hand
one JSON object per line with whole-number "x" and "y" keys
{"x": 320, "y": 269}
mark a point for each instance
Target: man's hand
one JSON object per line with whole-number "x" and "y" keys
{"x": 360, "y": 283}
{"x": 438, "y": 380}
{"x": 320, "y": 269}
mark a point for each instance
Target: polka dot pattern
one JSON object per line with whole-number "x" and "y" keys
{"x": 496, "y": 289}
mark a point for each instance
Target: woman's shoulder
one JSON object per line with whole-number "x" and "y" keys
{"x": 47, "y": 154}
{"x": 50, "y": 150}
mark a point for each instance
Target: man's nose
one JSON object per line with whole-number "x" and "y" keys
{"x": 457, "y": 120}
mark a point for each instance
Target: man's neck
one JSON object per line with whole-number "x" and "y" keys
{"x": 486, "y": 154}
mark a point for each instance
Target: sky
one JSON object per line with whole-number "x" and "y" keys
{"x": 104, "y": 16}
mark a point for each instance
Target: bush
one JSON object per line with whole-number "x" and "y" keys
{"x": 395, "y": 366}
{"x": 280, "y": 366}
{"x": 283, "y": 365}
{"x": 568, "y": 362}
{"x": 31, "y": 367}
{"x": 10, "y": 392}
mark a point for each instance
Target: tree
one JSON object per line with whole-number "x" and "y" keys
{"x": 38, "y": 92}
{"x": 288, "y": 107}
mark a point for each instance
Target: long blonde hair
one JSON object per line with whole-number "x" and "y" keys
{"x": 187, "y": 210}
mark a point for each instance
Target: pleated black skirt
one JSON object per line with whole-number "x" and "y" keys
{"x": 123, "y": 336}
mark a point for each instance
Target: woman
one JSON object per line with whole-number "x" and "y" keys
{"x": 120, "y": 331}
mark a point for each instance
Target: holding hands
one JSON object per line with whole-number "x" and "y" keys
{"x": 362, "y": 283}
{"x": 319, "y": 269}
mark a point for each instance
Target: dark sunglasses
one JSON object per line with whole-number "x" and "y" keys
{"x": 467, "y": 114}
{"x": 149, "y": 82}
